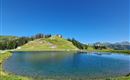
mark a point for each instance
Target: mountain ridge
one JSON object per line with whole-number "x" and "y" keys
{"x": 53, "y": 43}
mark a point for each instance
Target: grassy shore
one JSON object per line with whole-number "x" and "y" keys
{"x": 7, "y": 76}
{"x": 120, "y": 78}
{"x": 115, "y": 51}
{"x": 91, "y": 49}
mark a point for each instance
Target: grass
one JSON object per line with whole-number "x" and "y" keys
{"x": 120, "y": 78}
{"x": 56, "y": 43}
{"x": 49, "y": 44}
{"x": 91, "y": 49}
{"x": 115, "y": 51}
{"x": 4, "y": 75}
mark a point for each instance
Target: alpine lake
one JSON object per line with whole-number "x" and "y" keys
{"x": 68, "y": 65}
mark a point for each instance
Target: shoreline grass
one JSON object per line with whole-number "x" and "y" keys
{"x": 112, "y": 51}
{"x": 116, "y": 51}
{"x": 5, "y": 75}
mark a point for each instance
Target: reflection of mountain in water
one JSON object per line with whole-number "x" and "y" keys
{"x": 46, "y": 56}
{"x": 68, "y": 64}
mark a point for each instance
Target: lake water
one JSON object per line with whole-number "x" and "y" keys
{"x": 66, "y": 65}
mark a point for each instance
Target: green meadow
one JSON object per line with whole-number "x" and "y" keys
{"x": 48, "y": 44}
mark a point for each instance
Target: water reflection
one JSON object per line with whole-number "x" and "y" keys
{"x": 68, "y": 64}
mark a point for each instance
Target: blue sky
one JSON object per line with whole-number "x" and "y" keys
{"x": 86, "y": 20}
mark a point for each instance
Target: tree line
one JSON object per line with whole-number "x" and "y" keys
{"x": 82, "y": 46}
{"x": 14, "y": 43}
{"x": 78, "y": 44}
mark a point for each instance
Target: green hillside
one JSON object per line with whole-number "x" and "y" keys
{"x": 7, "y": 38}
{"x": 54, "y": 43}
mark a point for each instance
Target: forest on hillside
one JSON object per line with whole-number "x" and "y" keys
{"x": 12, "y": 42}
